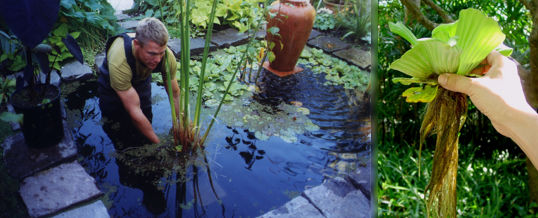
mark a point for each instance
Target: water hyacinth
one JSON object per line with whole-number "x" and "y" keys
{"x": 456, "y": 48}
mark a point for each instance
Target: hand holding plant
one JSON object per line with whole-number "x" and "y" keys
{"x": 455, "y": 48}
{"x": 499, "y": 95}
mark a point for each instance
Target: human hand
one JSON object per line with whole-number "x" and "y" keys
{"x": 498, "y": 94}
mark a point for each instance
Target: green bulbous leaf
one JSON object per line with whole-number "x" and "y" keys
{"x": 445, "y": 32}
{"x": 400, "y": 29}
{"x": 427, "y": 57}
{"x": 420, "y": 94}
{"x": 477, "y": 36}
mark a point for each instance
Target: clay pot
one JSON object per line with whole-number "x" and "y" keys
{"x": 295, "y": 19}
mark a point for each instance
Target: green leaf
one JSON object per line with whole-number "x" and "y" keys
{"x": 420, "y": 94}
{"x": 445, "y": 32}
{"x": 477, "y": 36}
{"x": 409, "y": 81}
{"x": 274, "y": 30}
{"x": 504, "y": 50}
{"x": 271, "y": 56}
{"x": 427, "y": 57}
{"x": 400, "y": 29}
{"x": 11, "y": 117}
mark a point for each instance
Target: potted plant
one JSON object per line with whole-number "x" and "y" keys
{"x": 31, "y": 22}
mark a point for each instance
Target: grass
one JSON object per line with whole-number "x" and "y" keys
{"x": 486, "y": 187}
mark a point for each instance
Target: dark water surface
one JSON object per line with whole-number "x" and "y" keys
{"x": 247, "y": 176}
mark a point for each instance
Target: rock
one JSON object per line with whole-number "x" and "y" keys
{"x": 76, "y": 71}
{"x": 196, "y": 44}
{"x": 314, "y": 34}
{"x": 54, "y": 77}
{"x": 229, "y": 37}
{"x": 122, "y": 17}
{"x": 22, "y": 161}
{"x": 356, "y": 56}
{"x": 362, "y": 178}
{"x": 96, "y": 210}
{"x": 328, "y": 43}
{"x": 99, "y": 58}
{"x": 128, "y": 25}
{"x": 57, "y": 189}
{"x": 297, "y": 207}
{"x": 14, "y": 125}
{"x": 339, "y": 198}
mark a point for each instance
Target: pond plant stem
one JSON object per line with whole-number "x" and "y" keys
{"x": 445, "y": 116}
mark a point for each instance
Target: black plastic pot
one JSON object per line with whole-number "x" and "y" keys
{"x": 42, "y": 122}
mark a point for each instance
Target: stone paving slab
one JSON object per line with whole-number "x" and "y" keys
{"x": 297, "y": 207}
{"x": 314, "y": 34}
{"x": 328, "y": 43}
{"x": 129, "y": 25}
{"x": 338, "y": 198}
{"x": 23, "y": 161}
{"x": 335, "y": 198}
{"x": 196, "y": 44}
{"x": 75, "y": 71}
{"x": 356, "y": 56}
{"x": 57, "y": 189}
{"x": 95, "y": 210}
{"x": 229, "y": 37}
{"x": 362, "y": 179}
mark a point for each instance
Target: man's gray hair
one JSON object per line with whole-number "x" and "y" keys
{"x": 151, "y": 29}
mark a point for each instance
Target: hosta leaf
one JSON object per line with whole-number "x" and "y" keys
{"x": 420, "y": 94}
{"x": 427, "y": 57}
{"x": 400, "y": 29}
{"x": 477, "y": 36}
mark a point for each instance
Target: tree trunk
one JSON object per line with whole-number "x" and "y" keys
{"x": 530, "y": 88}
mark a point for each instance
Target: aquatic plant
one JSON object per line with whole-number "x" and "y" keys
{"x": 458, "y": 47}
{"x": 187, "y": 132}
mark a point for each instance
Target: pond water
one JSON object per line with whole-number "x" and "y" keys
{"x": 246, "y": 169}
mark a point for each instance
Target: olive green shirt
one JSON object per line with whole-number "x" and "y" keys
{"x": 120, "y": 71}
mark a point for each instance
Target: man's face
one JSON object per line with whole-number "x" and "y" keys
{"x": 150, "y": 54}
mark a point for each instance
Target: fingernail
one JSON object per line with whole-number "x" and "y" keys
{"x": 442, "y": 79}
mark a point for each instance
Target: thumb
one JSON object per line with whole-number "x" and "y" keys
{"x": 456, "y": 83}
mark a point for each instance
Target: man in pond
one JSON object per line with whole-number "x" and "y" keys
{"x": 125, "y": 81}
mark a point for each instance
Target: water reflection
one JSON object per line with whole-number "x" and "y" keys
{"x": 238, "y": 174}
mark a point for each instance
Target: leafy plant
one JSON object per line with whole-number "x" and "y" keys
{"x": 94, "y": 19}
{"x": 10, "y": 58}
{"x": 325, "y": 20}
{"x": 454, "y": 48}
{"x": 337, "y": 71}
{"x": 242, "y": 15}
{"x": 356, "y": 22}
{"x": 7, "y": 87}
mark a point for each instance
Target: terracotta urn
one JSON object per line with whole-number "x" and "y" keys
{"x": 294, "y": 19}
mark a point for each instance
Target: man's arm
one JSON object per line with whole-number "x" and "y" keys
{"x": 131, "y": 102}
